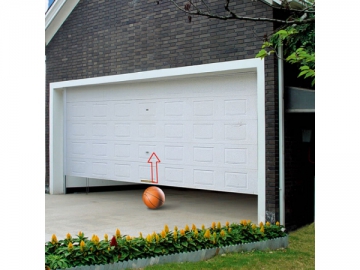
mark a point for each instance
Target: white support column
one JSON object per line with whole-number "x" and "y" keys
{"x": 56, "y": 143}
{"x": 260, "y": 71}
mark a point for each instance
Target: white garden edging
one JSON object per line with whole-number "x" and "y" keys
{"x": 195, "y": 256}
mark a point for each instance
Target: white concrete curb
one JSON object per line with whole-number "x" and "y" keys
{"x": 195, "y": 256}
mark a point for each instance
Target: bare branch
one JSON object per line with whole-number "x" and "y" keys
{"x": 207, "y": 7}
{"x": 305, "y": 10}
{"x": 234, "y": 16}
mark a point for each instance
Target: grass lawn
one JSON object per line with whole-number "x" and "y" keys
{"x": 299, "y": 255}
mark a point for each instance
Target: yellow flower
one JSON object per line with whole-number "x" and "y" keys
{"x": 175, "y": 235}
{"x": 262, "y": 229}
{"x": 229, "y": 230}
{"x": 166, "y": 228}
{"x": 68, "y": 236}
{"x": 163, "y": 234}
{"x": 182, "y": 232}
{"x": 70, "y": 246}
{"x": 268, "y": 224}
{"x": 54, "y": 239}
{"x": 253, "y": 226}
{"x": 227, "y": 224}
{"x": 261, "y": 224}
{"x": 141, "y": 236}
{"x": 244, "y": 222}
{"x": 157, "y": 238}
{"x": 175, "y": 228}
{"x": 207, "y": 234}
{"x": 196, "y": 233}
{"x": 222, "y": 233}
{"x": 117, "y": 233}
{"x": 82, "y": 245}
{"x": 277, "y": 223}
{"x": 108, "y": 248}
{"x": 214, "y": 236}
{"x": 193, "y": 227}
{"x": 148, "y": 238}
{"x": 106, "y": 237}
{"x": 213, "y": 225}
{"x": 80, "y": 234}
{"x": 249, "y": 221}
{"x": 128, "y": 238}
{"x": 95, "y": 239}
{"x": 203, "y": 227}
{"x": 218, "y": 225}
{"x": 187, "y": 228}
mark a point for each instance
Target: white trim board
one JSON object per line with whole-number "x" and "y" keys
{"x": 56, "y": 16}
{"x": 239, "y": 66}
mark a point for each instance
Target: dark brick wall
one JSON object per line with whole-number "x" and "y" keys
{"x": 102, "y": 38}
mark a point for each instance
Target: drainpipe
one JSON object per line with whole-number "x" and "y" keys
{"x": 281, "y": 136}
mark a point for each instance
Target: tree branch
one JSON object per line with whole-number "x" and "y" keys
{"x": 234, "y": 16}
{"x": 305, "y": 10}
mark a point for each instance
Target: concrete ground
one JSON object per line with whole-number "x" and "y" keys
{"x": 103, "y": 212}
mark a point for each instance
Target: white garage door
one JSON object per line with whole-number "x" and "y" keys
{"x": 202, "y": 131}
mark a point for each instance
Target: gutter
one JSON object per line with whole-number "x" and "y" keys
{"x": 281, "y": 136}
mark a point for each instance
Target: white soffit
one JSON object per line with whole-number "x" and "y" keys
{"x": 56, "y": 16}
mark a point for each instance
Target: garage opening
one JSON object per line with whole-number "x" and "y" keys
{"x": 194, "y": 127}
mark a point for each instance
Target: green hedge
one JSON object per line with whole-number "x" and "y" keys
{"x": 80, "y": 250}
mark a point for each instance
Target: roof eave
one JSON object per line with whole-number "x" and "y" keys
{"x": 56, "y": 16}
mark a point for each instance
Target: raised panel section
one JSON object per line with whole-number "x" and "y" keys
{"x": 77, "y": 111}
{"x": 174, "y": 175}
{"x": 122, "y": 109}
{"x": 122, "y": 130}
{"x": 99, "y": 149}
{"x": 236, "y": 180}
{"x": 78, "y": 148}
{"x": 99, "y": 130}
{"x": 78, "y": 167}
{"x": 203, "y": 108}
{"x": 235, "y": 156}
{"x": 203, "y": 131}
{"x": 99, "y": 168}
{"x": 147, "y": 109}
{"x": 235, "y": 107}
{"x": 174, "y": 130}
{"x": 174, "y": 108}
{"x": 174, "y": 153}
{"x": 99, "y": 110}
{"x": 147, "y": 130}
{"x": 122, "y": 170}
{"x": 235, "y": 131}
{"x": 122, "y": 150}
{"x": 77, "y": 130}
{"x": 203, "y": 154}
{"x": 203, "y": 177}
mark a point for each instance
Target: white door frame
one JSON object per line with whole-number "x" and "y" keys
{"x": 57, "y": 99}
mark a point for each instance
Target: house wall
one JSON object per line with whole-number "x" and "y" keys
{"x": 102, "y": 38}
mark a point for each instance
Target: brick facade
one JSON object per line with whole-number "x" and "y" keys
{"x": 101, "y": 38}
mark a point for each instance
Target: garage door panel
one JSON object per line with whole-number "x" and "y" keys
{"x": 204, "y": 130}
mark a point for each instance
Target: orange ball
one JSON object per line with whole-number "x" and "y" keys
{"x": 153, "y": 197}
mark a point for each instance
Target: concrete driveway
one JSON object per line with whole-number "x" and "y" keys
{"x": 104, "y": 212}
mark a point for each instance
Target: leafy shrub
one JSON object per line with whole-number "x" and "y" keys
{"x": 80, "y": 250}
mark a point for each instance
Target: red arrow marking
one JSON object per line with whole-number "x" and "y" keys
{"x": 157, "y": 160}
